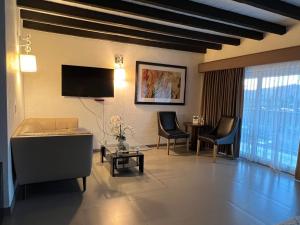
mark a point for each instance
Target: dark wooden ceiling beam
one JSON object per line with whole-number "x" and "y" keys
{"x": 124, "y": 21}
{"x": 207, "y": 11}
{"x": 167, "y": 16}
{"x": 278, "y": 7}
{"x": 104, "y": 36}
{"x": 75, "y": 23}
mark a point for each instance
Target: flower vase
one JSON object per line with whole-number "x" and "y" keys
{"x": 123, "y": 146}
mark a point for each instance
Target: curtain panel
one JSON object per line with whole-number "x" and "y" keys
{"x": 223, "y": 96}
{"x": 271, "y": 116}
{"x": 297, "y": 173}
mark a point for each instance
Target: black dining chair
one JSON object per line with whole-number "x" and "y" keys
{"x": 168, "y": 127}
{"x": 223, "y": 134}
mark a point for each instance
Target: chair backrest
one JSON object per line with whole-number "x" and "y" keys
{"x": 225, "y": 126}
{"x": 167, "y": 120}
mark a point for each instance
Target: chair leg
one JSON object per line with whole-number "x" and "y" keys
{"x": 158, "y": 142}
{"x": 174, "y": 144}
{"x": 198, "y": 146}
{"x": 232, "y": 151}
{"x": 187, "y": 144}
{"x": 84, "y": 183}
{"x": 168, "y": 146}
{"x": 215, "y": 153}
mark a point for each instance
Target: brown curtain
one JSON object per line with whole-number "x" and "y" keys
{"x": 223, "y": 95}
{"x": 297, "y": 174}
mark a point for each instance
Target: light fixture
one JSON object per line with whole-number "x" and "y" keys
{"x": 119, "y": 75}
{"x": 27, "y": 61}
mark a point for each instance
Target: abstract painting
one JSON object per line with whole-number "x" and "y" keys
{"x": 160, "y": 84}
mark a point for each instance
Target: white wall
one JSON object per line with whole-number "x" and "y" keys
{"x": 43, "y": 89}
{"x": 3, "y": 105}
{"x": 248, "y": 46}
{"x": 15, "y": 107}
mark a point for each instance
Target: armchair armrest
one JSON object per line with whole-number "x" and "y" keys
{"x": 177, "y": 123}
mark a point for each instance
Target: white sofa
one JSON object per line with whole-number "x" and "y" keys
{"x": 48, "y": 149}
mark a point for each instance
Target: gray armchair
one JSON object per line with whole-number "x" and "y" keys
{"x": 223, "y": 134}
{"x": 168, "y": 127}
{"x": 50, "y": 149}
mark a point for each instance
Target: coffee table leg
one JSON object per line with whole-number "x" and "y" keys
{"x": 141, "y": 163}
{"x": 103, "y": 152}
{"x": 112, "y": 167}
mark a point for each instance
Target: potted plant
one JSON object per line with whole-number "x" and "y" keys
{"x": 120, "y": 130}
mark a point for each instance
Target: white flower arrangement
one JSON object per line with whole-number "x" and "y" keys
{"x": 119, "y": 129}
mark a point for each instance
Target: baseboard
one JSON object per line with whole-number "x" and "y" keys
{"x": 165, "y": 144}
{"x": 1, "y": 215}
{"x": 149, "y": 145}
{"x": 9, "y": 210}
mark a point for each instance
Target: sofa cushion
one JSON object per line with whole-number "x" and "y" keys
{"x": 47, "y": 127}
{"x": 61, "y": 132}
{"x": 43, "y": 123}
{"x": 31, "y": 127}
{"x": 66, "y": 123}
{"x": 46, "y": 123}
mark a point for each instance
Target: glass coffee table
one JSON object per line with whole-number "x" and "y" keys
{"x": 118, "y": 160}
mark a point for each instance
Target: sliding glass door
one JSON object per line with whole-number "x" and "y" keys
{"x": 271, "y": 116}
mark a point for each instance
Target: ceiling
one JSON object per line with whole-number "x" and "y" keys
{"x": 193, "y": 26}
{"x": 251, "y": 11}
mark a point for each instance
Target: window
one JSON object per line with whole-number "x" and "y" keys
{"x": 271, "y": 116}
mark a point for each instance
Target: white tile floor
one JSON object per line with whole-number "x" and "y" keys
{"x": 180, "y": 189}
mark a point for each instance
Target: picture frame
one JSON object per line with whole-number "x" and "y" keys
{"x": 160, "y": 84}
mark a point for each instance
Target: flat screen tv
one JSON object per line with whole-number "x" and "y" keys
{"x": 81, "y": 81}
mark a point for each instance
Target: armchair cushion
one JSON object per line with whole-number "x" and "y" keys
{"x": 174, "y": 134}
{"x": 208, "y": 138}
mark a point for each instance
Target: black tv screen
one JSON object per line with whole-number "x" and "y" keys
{"x": 81, "y": 81}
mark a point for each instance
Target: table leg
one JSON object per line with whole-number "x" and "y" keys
{"x": 141, "y": 163}
{"x": 186, "y": 128}
{"x": 194, "y": 138}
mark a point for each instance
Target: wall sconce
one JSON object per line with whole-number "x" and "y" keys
{"x": 119, "y": 74}
{"x": 27, "y": 61}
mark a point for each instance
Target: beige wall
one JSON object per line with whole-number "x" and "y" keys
{"x": 248, "y": 46}
{"x": 15, "y": 107}
{"x": 43, "y": 89}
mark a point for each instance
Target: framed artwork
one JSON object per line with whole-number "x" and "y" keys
{"x": 160, "y": 84}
